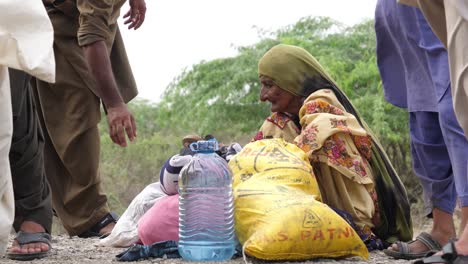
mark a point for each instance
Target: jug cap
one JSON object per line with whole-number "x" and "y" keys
{"x": 205, "y": 146}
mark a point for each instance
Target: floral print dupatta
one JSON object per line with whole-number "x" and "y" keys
{"x": 334, "y": 135}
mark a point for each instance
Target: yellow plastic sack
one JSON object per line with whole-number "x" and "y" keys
{"x": 276, "y": 211}
{"x": 274, "y": 161}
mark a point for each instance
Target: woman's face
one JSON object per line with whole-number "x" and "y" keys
{"x": 280, "y": 100}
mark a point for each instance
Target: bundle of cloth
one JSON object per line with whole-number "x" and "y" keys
{"x": 135, "y": 224}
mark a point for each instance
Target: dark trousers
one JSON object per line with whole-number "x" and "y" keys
{"x": 31, "y": 190}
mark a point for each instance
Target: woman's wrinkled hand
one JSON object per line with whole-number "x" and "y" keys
{"x": 136, "y": 15}
{"x": 121, "y": 122}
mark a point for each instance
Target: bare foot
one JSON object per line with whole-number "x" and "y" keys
{"x": 29, "y": 227}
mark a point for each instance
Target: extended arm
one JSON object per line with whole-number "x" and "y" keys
{"x": 94, "y": 31}
{"x": 119, "y": 118}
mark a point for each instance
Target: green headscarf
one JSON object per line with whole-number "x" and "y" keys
{"x": 291, "y": 67}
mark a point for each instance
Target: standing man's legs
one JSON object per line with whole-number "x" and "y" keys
{"x": 70, "y": 114}
{"x": 457, "y": 47}
{"x": 453, "y": 31}
{"x": 432, "y": 165}
{"x": 7, "y": 209}
{"x": 31, "y": 190}
{"x": 457, "y": 145}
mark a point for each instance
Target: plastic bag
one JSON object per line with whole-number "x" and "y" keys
{"x": 160, "y": 222}
{"x": 277, "y": 214}
{"x": 274, "y": 161}
{"x": 125, "y": 232}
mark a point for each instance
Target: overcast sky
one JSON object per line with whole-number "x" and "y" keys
{"x": 179, "y": 33}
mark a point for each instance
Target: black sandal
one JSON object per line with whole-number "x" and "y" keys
{"x": 94, "y": 230}
{"x": 449, "y": 256}
{"x": 404, "y": 252}
{"x": 24, "y": 238}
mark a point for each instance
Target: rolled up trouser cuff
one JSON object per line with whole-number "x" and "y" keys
{"x": 431, "y": 161}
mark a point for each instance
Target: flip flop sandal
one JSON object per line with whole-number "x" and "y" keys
{"x": 404, "y": 252}
{"x": 94, "y": 230}
{"x": 449, "y": 256}
{"x": 24, "y": 238}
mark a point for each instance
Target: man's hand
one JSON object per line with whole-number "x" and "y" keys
{"x": 121, "y": 121}
{"x": 136, "y": 15}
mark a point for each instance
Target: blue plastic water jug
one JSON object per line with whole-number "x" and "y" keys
{"x": 206, "y": 208}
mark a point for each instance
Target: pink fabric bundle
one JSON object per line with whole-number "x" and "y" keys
{"x": 160, "y": 222}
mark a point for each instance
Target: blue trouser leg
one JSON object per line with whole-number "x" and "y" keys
{"x": 457, "y": 146}
{"x": 431, "y": 162}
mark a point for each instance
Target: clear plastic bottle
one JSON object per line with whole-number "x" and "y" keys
{"x": 206, "y": 208}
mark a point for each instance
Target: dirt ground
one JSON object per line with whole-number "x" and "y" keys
{"x": 76, "y": 251}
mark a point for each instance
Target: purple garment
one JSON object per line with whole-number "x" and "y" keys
{"x": 412, "y": 61}
{"x": 431, "y": 162}
{"x": 414, "y": 69}
{"x": 439, "y": 151}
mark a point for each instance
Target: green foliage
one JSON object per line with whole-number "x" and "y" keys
{"x": 220, "y": 97}
{"x": 126, "y": 171}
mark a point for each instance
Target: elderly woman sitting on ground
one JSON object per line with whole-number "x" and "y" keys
{"x": 352, "y": 170}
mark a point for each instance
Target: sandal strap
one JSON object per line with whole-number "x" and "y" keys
{"x": 428, "y": 241}
{"x": 449, "y": 251}
{"x": 107, "y": 219}
{"x": 431, "y": 259}
{"x": 449, "y": 255}
{"x": 403, "y": 247}
{"x": 24, "y": 238}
